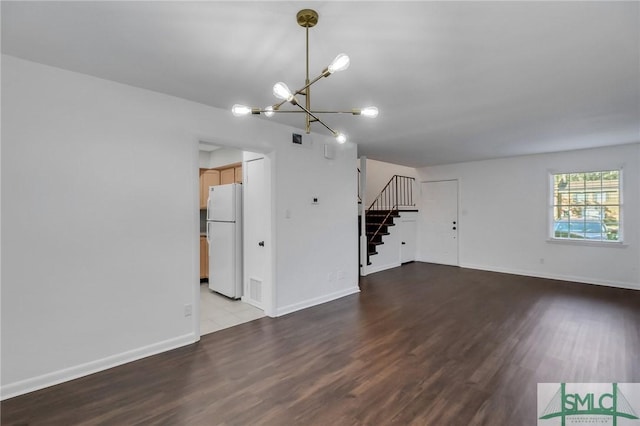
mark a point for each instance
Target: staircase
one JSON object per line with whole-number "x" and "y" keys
{"x": 397, "y": 194}
{"x": 378, "y": 223}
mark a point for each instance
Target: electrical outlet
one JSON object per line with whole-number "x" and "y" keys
{"x": 188, "y": 310}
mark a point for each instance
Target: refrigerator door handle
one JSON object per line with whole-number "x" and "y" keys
{"x": 208, "y": 239}
{"x": 208, "y": 209}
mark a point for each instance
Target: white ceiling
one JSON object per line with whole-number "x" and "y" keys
{"x": 205, "y": 146}
{"x": 454, "y": 81}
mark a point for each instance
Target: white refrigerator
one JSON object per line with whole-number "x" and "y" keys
{"x": 224, "y": 236}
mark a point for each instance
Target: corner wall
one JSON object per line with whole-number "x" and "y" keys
{"x": 503, "y": 222}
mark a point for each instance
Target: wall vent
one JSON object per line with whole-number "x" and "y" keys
{"x": 255, "y": 289}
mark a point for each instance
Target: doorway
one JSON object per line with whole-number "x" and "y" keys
{"x": 216, "y": 311}
{"x": 438, "y": 240}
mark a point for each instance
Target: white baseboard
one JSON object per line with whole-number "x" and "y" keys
{"x": 373, "y": 269}
{"x": 40, "y": 382}
{"x": 560, "y": 277}
{"x": 316, "y": 301}
{"x": 427, "y": 260}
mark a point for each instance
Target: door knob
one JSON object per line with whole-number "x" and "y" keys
{"x": 403, "y": 243}
{"x": 261, "y": 243}
{"x": 454, "y": 228}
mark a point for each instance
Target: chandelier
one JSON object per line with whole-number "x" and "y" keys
{"x": 307, "y": 18}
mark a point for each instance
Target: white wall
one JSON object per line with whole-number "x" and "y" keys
{"x": 503, "y": 207}
{"x": 378, "y": 175}
{"x": 204, "y": 159}
{"x": 303, "y": 226}
{"x": 100, "y": 245}
{"x": 222, "y": 157}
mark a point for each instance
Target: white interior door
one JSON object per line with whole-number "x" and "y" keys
{"x": 257, "y": 245}
{"x": 439, "y": 222}
{"x": 408, "y": 230}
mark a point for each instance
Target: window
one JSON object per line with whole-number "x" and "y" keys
{"x": 587, "y": 206}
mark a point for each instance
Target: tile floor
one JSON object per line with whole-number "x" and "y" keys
{"x": 218, "y": 312}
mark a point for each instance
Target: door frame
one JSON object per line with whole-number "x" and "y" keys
{"x": 270, "y": 296}
{"x": 421, "y": 220}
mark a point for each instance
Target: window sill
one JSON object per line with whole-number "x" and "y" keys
{"x": 587, "y": 243}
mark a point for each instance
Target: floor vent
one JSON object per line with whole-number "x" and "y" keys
{"x": 255, "y": 289}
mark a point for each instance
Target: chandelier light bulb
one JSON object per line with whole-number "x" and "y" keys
{"x": 370, "y": 111}
{"x": 340, "y": 63}
{"x": 240, "y": 110}
{"x": 281, "y": 91}
{"x": 341, "y": 138}
{"x": 268, "y": 111}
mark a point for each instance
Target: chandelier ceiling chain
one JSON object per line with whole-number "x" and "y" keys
{"x": 307, "y": 18}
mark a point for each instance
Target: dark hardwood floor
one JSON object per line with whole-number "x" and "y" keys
{"x": 422, "y": 344}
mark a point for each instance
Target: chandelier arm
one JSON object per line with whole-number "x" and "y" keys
{"x": 334, "y": 112}
{"x": 309, "y": 113}
{"x": 302, "y": 90}
{"x": 278, "y": 105}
